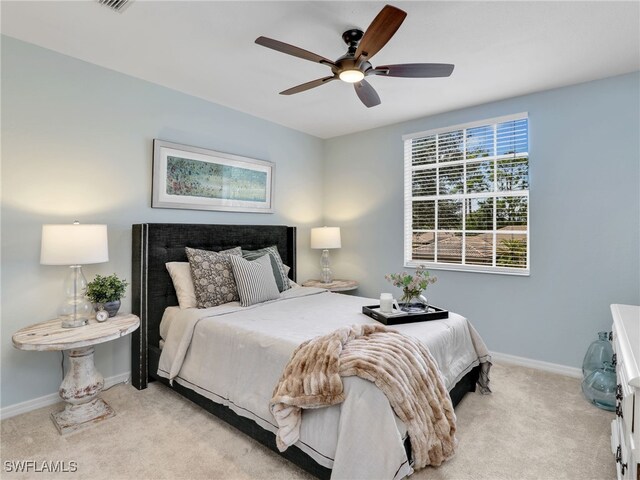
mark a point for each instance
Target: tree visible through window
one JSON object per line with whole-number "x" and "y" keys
{"x": 467, "y": 197}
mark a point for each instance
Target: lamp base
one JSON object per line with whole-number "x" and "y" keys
{"x": 76, "y": 310}
{"x": 74, "y": 322}
{"x": 326, "y": 275}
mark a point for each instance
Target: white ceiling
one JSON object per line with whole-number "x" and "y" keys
{"x": 207, "y": 49}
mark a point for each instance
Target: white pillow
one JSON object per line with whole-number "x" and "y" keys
{"x": 183, "y": 283}
{"x": 254, "y": 280}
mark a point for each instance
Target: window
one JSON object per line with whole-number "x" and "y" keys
{"x": 467, "y": 197}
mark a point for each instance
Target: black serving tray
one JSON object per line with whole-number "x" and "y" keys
{"x": 432, "y": 313}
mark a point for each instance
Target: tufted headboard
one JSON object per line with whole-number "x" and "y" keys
{"x": 155, "y": 244}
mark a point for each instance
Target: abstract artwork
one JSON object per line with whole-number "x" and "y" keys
{"x": 196, "y": 178}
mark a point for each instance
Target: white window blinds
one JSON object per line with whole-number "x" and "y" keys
{"x": 467, "y": 197}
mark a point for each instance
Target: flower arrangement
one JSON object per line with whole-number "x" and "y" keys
{"x": 411, "y": 285}
{"x": 106, "y": 289}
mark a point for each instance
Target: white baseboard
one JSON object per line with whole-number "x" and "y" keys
{"x": 51, "y": 399}
{"x": 537, "y": 364}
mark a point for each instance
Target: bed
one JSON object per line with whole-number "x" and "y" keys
{"x": 194, "y": 366}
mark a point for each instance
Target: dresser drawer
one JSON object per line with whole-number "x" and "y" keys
{"x": 625, "y": 402}
{"x": 615, "y": 435}
{"x": 617, "y": 357}
{"x": 623, "y": 460}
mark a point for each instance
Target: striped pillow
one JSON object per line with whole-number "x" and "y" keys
{"x": 279, "y": 272}
{"x": 254, "y": 280}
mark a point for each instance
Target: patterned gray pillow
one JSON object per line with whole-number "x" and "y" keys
{"x": 213, "y": 276}
{"x": 279, "y": 272}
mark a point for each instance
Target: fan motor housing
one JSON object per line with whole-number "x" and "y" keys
{"x": 348, "y": 61}
{"x": 352, "y": 37}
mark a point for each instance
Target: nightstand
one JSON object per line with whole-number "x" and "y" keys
{"x": 82, "y": 384}
{"x": 335, "y": 286}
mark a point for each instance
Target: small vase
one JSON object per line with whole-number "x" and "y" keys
{"x": 413, "y": 303}
{"x": 111, "y": 307}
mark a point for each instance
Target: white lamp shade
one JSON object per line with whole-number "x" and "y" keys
{"x": 74, "y": 244}
{"x": 325, "y": 237}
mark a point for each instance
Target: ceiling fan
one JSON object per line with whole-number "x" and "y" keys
{"x": 354, "y": 66}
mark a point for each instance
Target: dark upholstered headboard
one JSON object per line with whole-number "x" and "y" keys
{"x": 155, "y": 244}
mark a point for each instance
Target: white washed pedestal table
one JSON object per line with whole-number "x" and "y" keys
{"x": 82, "y": 384}
{"x": 334, "y": 286}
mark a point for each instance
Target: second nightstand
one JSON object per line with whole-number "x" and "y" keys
{"x": 335, "y": 286}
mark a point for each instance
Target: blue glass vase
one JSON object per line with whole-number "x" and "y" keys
{"x": 599, "y": 351}
{"x": 600, "y": 387}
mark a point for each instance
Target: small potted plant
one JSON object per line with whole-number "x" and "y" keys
{"x": 106, "y": 292}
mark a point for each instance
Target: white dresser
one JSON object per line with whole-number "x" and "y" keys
{"x": 625, "y": 429}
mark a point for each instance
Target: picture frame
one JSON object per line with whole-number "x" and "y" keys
{"x": 193, "y": 178}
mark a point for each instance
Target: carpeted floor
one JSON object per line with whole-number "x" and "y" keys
{"x": 535, "y": 425}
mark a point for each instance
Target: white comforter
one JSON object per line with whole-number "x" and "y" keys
{"x": 235, "y": 356}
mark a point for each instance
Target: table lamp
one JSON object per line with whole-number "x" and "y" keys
{"x": 74, "y": 245}
{"x": 325, "y": 238}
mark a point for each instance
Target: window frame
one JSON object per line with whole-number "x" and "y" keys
{"x": 408, "y": 230}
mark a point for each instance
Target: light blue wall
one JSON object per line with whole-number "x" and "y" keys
{"x": 77, "y": 144}
{"x": 585, "y": 219}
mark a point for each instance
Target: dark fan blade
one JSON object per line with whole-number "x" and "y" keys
{"x": 308, "y": 85}
{"x": 291, "y": 50}
{"x": 380, "y": 31}
{"x": 415, "y": 70}
{"x": 367, "y": 94}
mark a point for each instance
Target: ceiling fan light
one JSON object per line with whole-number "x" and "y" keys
{"x": 351, "y": 76}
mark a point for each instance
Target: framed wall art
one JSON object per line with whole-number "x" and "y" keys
{"x": 201, "y": 179}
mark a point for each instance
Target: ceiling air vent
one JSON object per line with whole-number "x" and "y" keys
{"x": 116, "y": 5}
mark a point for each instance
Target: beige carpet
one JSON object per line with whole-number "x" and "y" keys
{"x": 535, "y": 425}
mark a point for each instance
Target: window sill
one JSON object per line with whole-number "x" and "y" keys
{"x": 518, "y": 272}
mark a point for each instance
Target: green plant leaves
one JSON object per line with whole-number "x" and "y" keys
{"x": 106, "y": 289}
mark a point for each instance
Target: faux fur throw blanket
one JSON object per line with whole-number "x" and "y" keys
{"x": 400, "y": 366}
